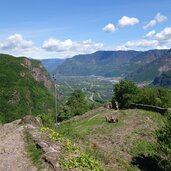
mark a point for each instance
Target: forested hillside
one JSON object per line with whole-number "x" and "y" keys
{"x": 163, "y": 80}
{"x": 153, "y": 69}
{"x": 24, "y": 88}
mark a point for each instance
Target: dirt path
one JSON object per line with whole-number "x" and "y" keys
{"x": 93, "y": 117}
{"x": 12, "y": 153}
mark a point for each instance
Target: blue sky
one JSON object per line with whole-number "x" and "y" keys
{"x": 64, "y": 28}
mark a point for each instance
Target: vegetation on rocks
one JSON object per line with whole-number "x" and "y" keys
{"x": 71, "y": 156}
{"x": 164, "y": 144}
{"x": 33, "y": 152}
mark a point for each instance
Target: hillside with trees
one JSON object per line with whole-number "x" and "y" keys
{"x": 153, "y": 69}
{"x": 133, "y": 65}
{"x": 24, "y": 88}
{"x": 163, "y": 80}
{"x": 127, "y": 92}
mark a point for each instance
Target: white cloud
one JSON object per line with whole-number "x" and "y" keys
{"x": 150, "y": 34}
{"x": 150, "y": 24}
{"x": 70, "y": 47}
{"x": 160, "y": 18}
{"x": 142, "y": 43}
{"x": 57, "y": 45}
{"x": 18, "y": 46}
{"x": 157, "y": 19}
{"x": 127, "y": 21}
{"x": 165, "y": 34}
{"x": 15, "y": 42}
{"x": 138, "y": 45}
{"x": 109, "y": 28}
{"x": 161, "y": 40}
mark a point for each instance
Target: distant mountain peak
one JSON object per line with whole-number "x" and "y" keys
{"x": 110, "y": 63}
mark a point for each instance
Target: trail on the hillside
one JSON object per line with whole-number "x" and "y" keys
{"x": 13, "y": 156}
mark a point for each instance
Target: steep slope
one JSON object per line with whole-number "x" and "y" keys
{"x": 107, "y": 63}
{"x": 51, "y": 64}
{"x": 163, "y": 80}
{"x": 153, "y": 69}
{"x": 24, "y": 88}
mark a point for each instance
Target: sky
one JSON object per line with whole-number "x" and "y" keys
{"x": 44, "y": 29}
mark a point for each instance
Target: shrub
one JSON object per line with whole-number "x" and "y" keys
{"x": 164, "y": 144}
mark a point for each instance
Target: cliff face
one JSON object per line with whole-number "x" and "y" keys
{"x": 38, "y": 73}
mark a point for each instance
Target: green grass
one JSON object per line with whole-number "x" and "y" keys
{"x": 71, "y": 156}
{"x": 112, "y": 143}
{"x": 34, "y": 153}
{"x": 88, "y": 124}
{"x": 125, "y": 165}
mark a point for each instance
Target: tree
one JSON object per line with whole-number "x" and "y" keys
{"x": 164, "y": 144}
{"x": 125, "y": 93}
{"x": 147, "y": 96}
{"x": 77, "y": 103}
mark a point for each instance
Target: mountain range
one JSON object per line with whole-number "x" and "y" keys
{"x": 138, "y": 66}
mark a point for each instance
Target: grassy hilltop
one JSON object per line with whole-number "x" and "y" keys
{"x": 115, "y": 146}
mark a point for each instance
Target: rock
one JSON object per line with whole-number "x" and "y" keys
{"x": 27, "y": 63}
{"x": 31, "y": 120}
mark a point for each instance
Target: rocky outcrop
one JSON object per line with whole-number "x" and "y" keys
{"x": 39, "y": 76}
{"x": 38, "y": 73}
{"x": 12, "y": 149}
{"x": 27, "y": 63}
{"x": 31, "y": 120}
{"x": 15, "y": 98}
{"x": 51, "y": 149}
{"x": 13, "y": 155}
